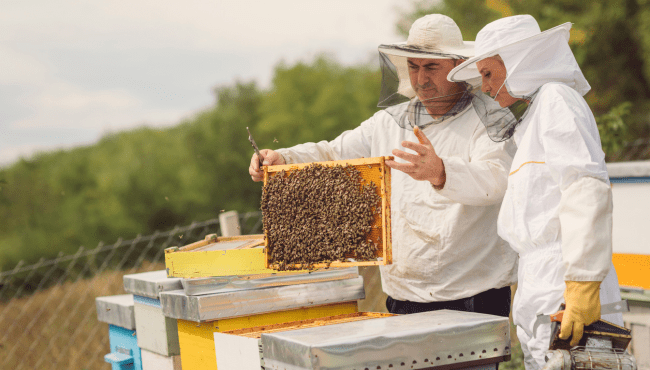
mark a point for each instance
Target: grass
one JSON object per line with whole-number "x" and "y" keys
{"x": 57, "y": 328}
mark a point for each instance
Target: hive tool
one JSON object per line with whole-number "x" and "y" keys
{"x": 257, "y": 151}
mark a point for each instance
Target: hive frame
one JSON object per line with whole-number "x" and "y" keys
{"x": 384, "y": 217}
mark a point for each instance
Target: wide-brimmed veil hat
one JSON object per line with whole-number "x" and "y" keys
{"x": 434, "y": 36}
{"x": 531, "y": 57}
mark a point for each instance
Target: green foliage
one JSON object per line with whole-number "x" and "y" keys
{"x": 610, "y": 39}
{"x": 316, "y": 102}
{"x": 612, "y": 128}
{"x": 150, "y": 179}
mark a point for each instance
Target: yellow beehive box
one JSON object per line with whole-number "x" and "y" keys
{"x": 225, "y": 308}
{"x": 219, "y": 256}
{"x": 372, "y": 170}
{"x": 196, "y": 340}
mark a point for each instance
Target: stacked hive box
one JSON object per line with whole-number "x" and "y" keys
{"x": 157, "y": 334}
{"x": 231, "y": 303}
{"x": 117, "y": 311}
{"x": 631, "y": 197}
{"x": 228, "y": 286}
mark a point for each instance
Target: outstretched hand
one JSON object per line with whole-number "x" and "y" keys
{"x": 269, "y": 157}
{"x": 423, "y": 166}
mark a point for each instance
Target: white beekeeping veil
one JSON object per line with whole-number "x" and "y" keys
{"x": 532, "y": 58}
{"x": 434, "y": 36}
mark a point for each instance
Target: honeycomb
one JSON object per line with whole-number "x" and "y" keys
{"x": 327, "y": 213}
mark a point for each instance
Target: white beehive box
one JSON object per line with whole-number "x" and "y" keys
{"x": 156, "y": 333}
{"x": 154, "y": 361}
{"x": 445, "y": 339}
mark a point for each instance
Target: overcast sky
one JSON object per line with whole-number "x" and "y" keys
{"x": 72, "y": 71}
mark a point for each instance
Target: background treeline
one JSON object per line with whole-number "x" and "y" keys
{"x": 148, "y": 179}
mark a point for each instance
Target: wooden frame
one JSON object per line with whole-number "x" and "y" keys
{"x": 372, "y": 169}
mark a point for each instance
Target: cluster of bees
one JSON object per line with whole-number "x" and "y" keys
{"x": 319, "y": 214}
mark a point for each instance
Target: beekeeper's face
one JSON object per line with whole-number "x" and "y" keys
{"x": 493, "y": 73}
{"x": 429, "y": 80}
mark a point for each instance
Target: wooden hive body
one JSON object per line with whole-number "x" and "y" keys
{"x": 197, "y": 343}
{"x": 118, "y": 312}
{"x": 156, "y": 333}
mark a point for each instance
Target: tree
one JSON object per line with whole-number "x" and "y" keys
{"x": 314, "y": 102}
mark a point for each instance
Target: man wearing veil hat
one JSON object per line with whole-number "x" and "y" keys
{"x": 557, "y": 211}
{"x": 445, "y": 195}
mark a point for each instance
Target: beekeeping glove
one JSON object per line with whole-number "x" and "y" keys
{"x": 582, "y": 300}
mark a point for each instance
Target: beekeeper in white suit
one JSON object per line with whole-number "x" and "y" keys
{"x": 446, "y": 193}
{"x": 557, "y": 211}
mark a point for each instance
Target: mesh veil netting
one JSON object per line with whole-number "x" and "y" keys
{"x": 400, "y": 100}
{"x": 500, "y": 122}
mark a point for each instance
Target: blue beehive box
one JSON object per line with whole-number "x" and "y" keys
{"x": 117, "y": 312}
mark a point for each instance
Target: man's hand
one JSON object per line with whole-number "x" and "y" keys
{"x": 425, "y": 165}
{"x": 270, "y": 157}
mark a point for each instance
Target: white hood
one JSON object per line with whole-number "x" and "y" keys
{"x": 531, "y": 57}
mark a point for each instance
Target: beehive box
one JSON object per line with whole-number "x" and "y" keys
{"x": 117, "y": 311}
{"x": 372, "y": 170}
{"x": 229, "y": 309}
{"x": 440, "y": 339}
{"x": 219, "y": 256}
{"x": 156, "y": 333}
{"x": 242, "y": 349}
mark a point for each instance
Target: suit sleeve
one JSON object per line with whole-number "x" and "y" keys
{"x": 481, "y": 181}
{"x": 349, "y": 145}
{"x": 577, "y": 163}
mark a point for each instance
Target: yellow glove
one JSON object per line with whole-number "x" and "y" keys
{"x": 582, "y": 300}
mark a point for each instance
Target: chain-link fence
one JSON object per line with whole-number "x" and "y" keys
{"x": 48, "y": 318}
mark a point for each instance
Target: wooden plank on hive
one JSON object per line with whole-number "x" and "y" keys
{"x": 372, "y": 169}
{"x": 256, "y": 332}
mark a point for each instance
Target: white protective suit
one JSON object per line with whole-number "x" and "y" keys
{"x": 557, "y": 209}
{"x": 445, "y": 244}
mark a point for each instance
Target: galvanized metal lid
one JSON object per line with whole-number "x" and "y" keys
{"x": 116, "y": 310}
{"x": 629, "y": 169}
{"x": 209, "y": 285}
{"x": 229, "y": 302}
{"x": 150, "y": 284}
{"x": 417, "y": 341}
